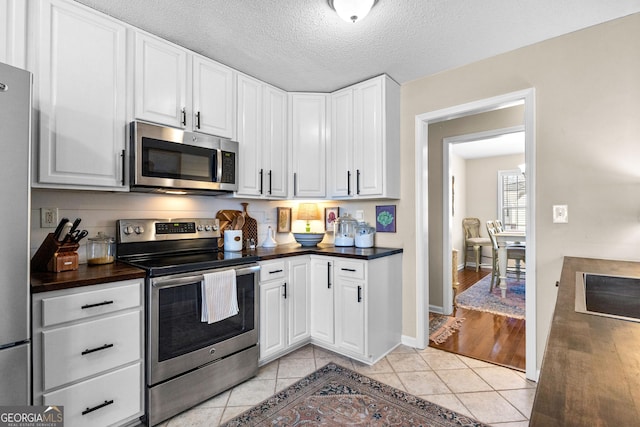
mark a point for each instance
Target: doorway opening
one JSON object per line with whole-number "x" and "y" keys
{"x": 433, "y": 242}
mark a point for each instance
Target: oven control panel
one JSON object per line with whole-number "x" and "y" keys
{"x": 148, "y": 230}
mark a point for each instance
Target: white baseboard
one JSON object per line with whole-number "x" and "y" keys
{"x": 410, "y": 341}
{"x": 436, "y": 309}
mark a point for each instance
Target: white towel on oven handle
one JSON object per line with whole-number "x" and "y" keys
{"x": 219, "y": 296}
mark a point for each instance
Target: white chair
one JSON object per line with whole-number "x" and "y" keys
{"x": 473, "y": 240}
{"x": 514, "y": 252}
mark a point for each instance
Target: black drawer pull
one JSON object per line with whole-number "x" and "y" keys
{"x": 328, "y": 275}
{"x": 359, "y": 293}
{"x": 93, "y": 350}
{"x": 95, "y": 408}
{"x": 285, "y": 290}
{"x": 353, "y": 270}
{"x": 97, "y": 305}
{"x": 275, "y": 271}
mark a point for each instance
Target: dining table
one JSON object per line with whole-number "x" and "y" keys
{"x": 504, "y": 239}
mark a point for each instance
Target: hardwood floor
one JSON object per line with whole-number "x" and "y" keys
{"x": 485, "y": 336}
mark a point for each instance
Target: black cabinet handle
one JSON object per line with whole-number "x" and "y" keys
{"x": 275, "y": 271}
{"x": 295, "y": 186}
{"x": 184, "y": 117}
{"x": 198, "y": 120}
{"x": 359, "y": 293}
{"x": 100, "y": 406}
{"x": 93, "y": 350}
{"x": 285, "y": 290}
{"x": 349, "y": 269}
{"x": 124, "y": 163}
{"x": 269, "y": 181}
{"x": 358, "y": 181}
{"x": 328, "y": 275}
{"x": 348, "y": 183}
{"x": 96, "y": 305}
{"x": 261, "y": 176}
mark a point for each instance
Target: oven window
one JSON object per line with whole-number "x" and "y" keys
{"x": 180, "y": 329}
{"x": 162, "y": 159}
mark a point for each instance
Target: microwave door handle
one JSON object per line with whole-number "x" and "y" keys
{"x": 218, "y": 177}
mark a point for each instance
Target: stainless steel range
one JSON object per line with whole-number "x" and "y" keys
{"x": 188, "y": 360}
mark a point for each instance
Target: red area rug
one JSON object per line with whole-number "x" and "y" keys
{"x": 337, "y": 396}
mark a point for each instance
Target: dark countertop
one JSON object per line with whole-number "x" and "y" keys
{"x": 92, "y": 275}
{"x": 85, "y": 275}
{"x": 591, "y": 368}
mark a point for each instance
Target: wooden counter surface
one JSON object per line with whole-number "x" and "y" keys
{"x": 85, "y": 275}
{"x": 590, "y": 373}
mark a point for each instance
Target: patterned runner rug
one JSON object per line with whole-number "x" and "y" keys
{"x": 337, "y": 396}
{"x": 442, "y": 327}
{"x": 478, "y": 298}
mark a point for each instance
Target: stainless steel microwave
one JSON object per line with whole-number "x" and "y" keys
{"x": 169, "y": 160}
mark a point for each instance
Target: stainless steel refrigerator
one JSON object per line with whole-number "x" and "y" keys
{"x": 15, "y": 206}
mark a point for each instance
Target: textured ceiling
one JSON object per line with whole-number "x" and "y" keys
{"x": 302, "y": 45}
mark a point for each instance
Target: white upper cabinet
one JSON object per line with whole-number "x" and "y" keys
{"x": 308, "y": 142}
{"x": 177, "y": 88}
{"x": 262, "y": 135}
{"x": 160, "y": 81}
{"x": 13, "y": 32}
{"x": 365, "y": 140}
{"x": 81, "y": 97}
{"x": 212, "y": 111}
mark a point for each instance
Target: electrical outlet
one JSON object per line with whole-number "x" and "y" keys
{"x": 48, "y": 217}
{"x": 560, "y": 214}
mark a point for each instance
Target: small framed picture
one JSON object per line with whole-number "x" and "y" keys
{"x": 330, "y": 216}
{"x": 386, "y": 219}
{"x": 284, "y": 220}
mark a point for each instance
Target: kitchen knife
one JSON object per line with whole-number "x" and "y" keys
{"x": 58, "y": 232}
{"x": 75, "y": 225}
{"x": 64, "y": 235}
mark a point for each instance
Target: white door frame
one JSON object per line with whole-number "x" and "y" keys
{"x": 447, "y": 244}
{"x": 422, "y": 122}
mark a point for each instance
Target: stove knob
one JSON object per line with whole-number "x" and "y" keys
{"x": 200, "y": 228}
{"x": 139, "y": 230}
{"x": 208, "y": 228}
{"x": 215, "y": 228}
{"x": 128, "y": 230}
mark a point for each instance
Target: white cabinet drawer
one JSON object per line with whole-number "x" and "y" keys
{"x": 113, "y": 397}
{"x": 272, "y": 271}
{"x": 74, "y": 352}
{"x": 87, "y": 304}
{"x": 350, "y": 269}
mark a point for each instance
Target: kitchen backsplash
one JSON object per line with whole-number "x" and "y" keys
{"x": 100, "y": 210}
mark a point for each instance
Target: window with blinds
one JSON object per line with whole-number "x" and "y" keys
{"x": 512, "y": 199}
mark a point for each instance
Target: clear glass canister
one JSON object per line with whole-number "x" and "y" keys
{"x": 101, "y": 249}
{"x": 344, "y": 230}
{"x": 364, "y": 235}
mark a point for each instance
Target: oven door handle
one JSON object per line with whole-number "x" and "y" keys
{"x": 171, "y": 282}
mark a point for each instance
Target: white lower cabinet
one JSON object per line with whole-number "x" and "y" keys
{"x": 88, "y": 352}
{"x": 356, "y": 305}
{"x": 284, "y": 306}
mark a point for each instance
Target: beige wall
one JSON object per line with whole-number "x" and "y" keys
{"x": 587, "y": 146}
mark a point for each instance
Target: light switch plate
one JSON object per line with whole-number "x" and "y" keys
{"x": 560, "y": 214}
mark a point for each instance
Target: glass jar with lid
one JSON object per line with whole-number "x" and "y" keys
{"x": 344, "y": 230}
{"x": 101, "y": 249}
{"x": 364, "y": 235}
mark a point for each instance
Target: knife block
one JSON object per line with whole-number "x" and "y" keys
{"x": 55, "y": 256}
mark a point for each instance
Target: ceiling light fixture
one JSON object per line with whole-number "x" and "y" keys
{"x": 352, "y": 10}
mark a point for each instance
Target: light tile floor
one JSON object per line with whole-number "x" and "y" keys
{"x": 491, "y": 394}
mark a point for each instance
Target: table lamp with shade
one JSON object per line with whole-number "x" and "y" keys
{"x": 308, "y": 212}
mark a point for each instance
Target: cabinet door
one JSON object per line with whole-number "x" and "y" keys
{"x": 350, "y": 313}
{"x": 298, "y": 300}
{"x": 82, "y": 97}
{"x": 251, "y": 171}
{"x": 275, "y": 142}
{"x": 322, "y": 309}
{"x": 13, "y": 32}
{"x": 160, "y": 81}
{"x": 368, "y": 137}
{"x": 308, "y": 118}
{"x": 272, "y": 318}
{"x": 341, "y": 170}
{"x": 212, "y": 98}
